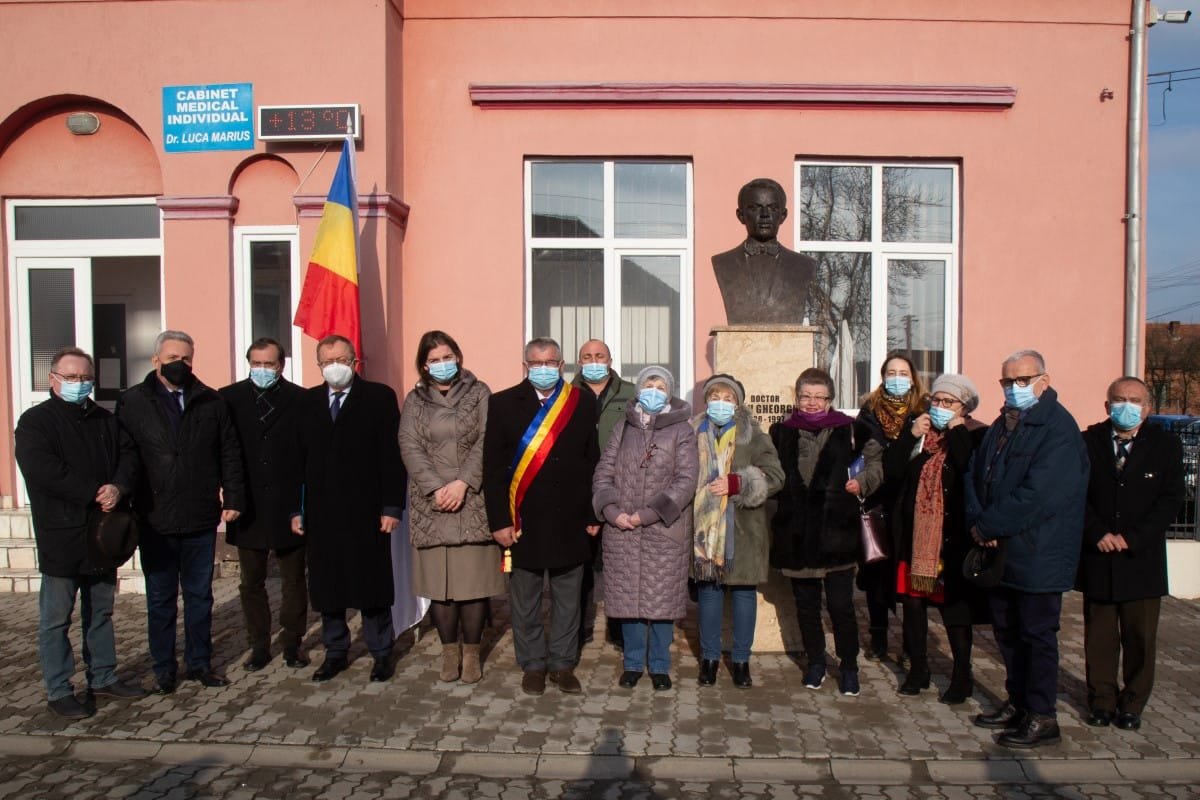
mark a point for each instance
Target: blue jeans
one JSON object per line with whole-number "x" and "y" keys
{"x": 662, "y": 633}
{"x": 711, "y": 601}
{"x": 56, "y": 602}
{"x": 172, "y": 563}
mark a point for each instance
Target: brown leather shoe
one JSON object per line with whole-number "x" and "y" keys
{"x": 534, "y": 682}
{"x": 566, "y": 681}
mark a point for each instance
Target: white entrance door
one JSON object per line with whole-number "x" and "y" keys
{"x": 54, "y": 310}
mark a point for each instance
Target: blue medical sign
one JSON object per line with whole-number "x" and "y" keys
{"x": 214, "y": 116}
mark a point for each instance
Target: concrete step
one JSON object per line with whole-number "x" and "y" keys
{"x": 22, "y": 554}
{"x": 15, "y": 524}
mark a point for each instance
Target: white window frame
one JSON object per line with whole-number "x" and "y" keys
{"x": 614, "y": 249}
{"x": 882, "y": 251}
{"x": 243, "y": 295}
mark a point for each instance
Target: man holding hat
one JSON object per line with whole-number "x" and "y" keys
{"x": 77, "y": 464}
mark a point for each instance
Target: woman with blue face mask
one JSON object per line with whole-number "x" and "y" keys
{"x": 454, "y": 557}
{"x": 885, "y": 412}
{"x": 926, "y": 466}
{"x": 643, "y": 489}
{"x": 739, "y": 470}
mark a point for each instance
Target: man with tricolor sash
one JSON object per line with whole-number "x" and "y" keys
{"x": 539, "y": 453}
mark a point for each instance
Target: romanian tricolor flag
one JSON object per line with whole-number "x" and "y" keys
{"x": 329, "y": 300}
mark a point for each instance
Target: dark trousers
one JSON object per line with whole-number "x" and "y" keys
{"x": 293, "y": 608}
{"x": 1026, "y": 628}
{"x": 839, "y": 600}
{"x": 172, "y": 564}
{"x": 534, "y": 652}
{"x": 1128, "y": 631}
{"x": 377, "y": 628}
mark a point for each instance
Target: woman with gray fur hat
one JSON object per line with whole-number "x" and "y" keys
{"x": 642, "y": 488}
{"x": 927, "y": 463}
{"x": 739, "y": 470}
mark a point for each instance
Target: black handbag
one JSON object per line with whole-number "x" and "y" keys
{"x": 984, "y": 566}
{"x": 873, "y": 532}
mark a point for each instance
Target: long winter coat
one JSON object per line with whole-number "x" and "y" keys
{"x": 1031, "y": 495}
{"x": 186, "y": 474}
{"x": 760, "y": 474}
{"x": 557, "y": 508}
{"x": 650, "y": 471}
{"x": 441, "y": 440}
{"x": 816, "y": 523}
{"x": 66, "y": 453}
{"x": 353, "y": 475}
{"x": 1140, "y": 504}
{"x": 272, "y": 458}
{"x": 902, "y": 471}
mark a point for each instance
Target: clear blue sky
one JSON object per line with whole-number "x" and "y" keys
{"x": 1173, "y": 198}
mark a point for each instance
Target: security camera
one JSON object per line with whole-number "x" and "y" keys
{"x": 1176, "y": 16}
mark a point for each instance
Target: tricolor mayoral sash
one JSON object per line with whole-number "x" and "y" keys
{"x": 536, "y": 444}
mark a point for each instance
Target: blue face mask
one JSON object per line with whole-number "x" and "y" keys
{"x": 75, "y": 391}
{"x": 653, "y": 400}
{"x": 1126, "y": 416}
{"x": 263, "y": 378}
{"x": 897, "y": 385}
{"x": 940, "y": 417}
{"x": 594, "y": 373}
{"x": 443, "y": 371}
{"x": 721, "y": 411}
{"x": 543, "y": 377}
{"x": 1019, "y": 397}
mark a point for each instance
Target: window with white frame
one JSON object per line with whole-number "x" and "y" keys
{"x": 267, "y": 272}
{"x": 885, "y": 236}
{"x": 608, "y": 256}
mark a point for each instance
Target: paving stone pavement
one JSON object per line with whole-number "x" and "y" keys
{"x": 274, "y": 733}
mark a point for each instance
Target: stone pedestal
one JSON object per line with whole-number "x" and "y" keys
{"x": 767, "y": 359}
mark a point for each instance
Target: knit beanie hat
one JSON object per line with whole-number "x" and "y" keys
{"x": 959, "y": 386}
{"x": 655, "y": 371}
{"x": 729, "y": 382}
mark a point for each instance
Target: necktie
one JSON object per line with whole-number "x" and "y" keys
{"x": 336, "y": 405}
{"x": 178, "y": 395}
{"x": 1122, "y": 452}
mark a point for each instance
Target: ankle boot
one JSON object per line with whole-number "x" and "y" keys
{"x": 962, "y": 686}
{"x": 451, "y": 662}
{"x": 917, "y": 678}
{"x": 472, "y": 670}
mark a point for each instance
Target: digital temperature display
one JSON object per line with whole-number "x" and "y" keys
{"x": 313, "y": 123}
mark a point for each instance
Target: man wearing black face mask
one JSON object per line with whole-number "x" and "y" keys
{"x": 192, "y": 479}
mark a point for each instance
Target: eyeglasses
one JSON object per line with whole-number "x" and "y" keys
{"x": 73, "y": 378}
{"x": 945, "y": 402}
{"x": 344, "y": 361}
{"x": 812, "y": 398}
{"x": 1021, "y": 380}
{"x": 547, "y": 363}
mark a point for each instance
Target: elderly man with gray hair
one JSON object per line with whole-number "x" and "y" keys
{"x": 1025, "y": 492}
{"x": 192, "y": 479}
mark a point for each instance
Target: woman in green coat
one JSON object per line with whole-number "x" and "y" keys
{"x": 739, "y": 470}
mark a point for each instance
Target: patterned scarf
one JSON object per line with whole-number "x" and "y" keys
{"x": 892, "y": 412}
{"x": 929, "y": 516}
{"x": 713, "y": 540}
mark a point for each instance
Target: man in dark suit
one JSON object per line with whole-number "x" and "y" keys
{"x": 264, "y": 409}
{"x": 76, "y": 463}
{"x": 548, "y": 534}
{"x": 1134, "y": 492}
{"x": 761, "y": 281}
{"x": 192, "y": 479}
{"x": 354, "y": 486}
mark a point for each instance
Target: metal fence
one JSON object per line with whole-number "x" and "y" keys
{"x": 1187, "y": 524}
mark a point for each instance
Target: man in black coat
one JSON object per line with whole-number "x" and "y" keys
{"x": 354, "y": 487}
{"x": 555, "y": 515}
{"x": 264, "y": 408}
{"x": 1134, "y": 492}
{"x": 192, "y": 479}
{"x": 76, "y": 462}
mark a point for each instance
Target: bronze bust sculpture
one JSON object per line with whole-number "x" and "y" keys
{"x": 761, "y": 281}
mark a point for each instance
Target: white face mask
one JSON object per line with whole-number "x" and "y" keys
{"x": 337, "y": 374}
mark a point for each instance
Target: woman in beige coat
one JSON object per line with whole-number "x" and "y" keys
{"x": 456, "y": 564}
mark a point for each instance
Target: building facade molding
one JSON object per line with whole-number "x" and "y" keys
{"x": 379, "y": 204}
{"x": 222, "y": 206}
{"x": 654, "y": 94}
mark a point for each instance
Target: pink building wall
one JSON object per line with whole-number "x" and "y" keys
{"x": 1042, "y": 181}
